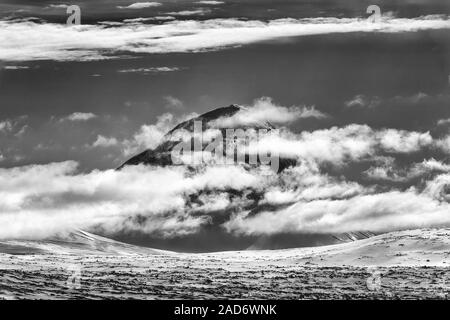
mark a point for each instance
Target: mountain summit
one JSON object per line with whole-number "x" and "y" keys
{"x": 218, "y": 119}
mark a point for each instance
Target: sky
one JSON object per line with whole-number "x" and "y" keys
{"x": 78, "y": 101}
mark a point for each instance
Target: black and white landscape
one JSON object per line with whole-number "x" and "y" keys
{"x": 224, "y": 149}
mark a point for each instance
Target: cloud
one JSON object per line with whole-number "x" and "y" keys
{"x": 361, "y": 101}
{"x": 212, "y": 3}
{"x": 130, "y": 199}
{"x": 265, "y": 110}
{"x": 156, "y": 18}
{"x": 105, "y": 142}
{"x": 380, "y": 212}
{"x": 392, "y": 172}
{"x": 150, "y": 136}
{"x": 15, "y": 126}
{"x": 16, "y": 67}
{"x": 402, "y": 141}
{"x": 444, "y": 144}
{"x": 79, "y": 116}
{"x": 199, "y": 11}
{"x": 58, "y": 6}
{"x": 443, "y": 122}
{"x": 150, "y": 70}
{"x": 314, "y": 195}
{"x": 173, "y": 103}
{"x": 141, "y": 5}
{"x": 28, "y": 40}
{"x": 303, "y": 200}
{"x": 6, "y": 126}
{"x": 339, "y": 145}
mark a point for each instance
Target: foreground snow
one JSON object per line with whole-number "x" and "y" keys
{"x": 406, "y": 264}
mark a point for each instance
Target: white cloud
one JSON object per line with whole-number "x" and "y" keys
{"x": 361, "y": 101}
{"x": 443, "y": 122}
{"x": 58, "y": 6}
{"x": 141, "y": 5}
{"x": 340, "y": 145}
{"x": 212, "y": 3}
{"x": 14, "y": 126}
{"x": 391, "y": 172}
{"x": 79, "y": 116}
{"x": 173, "y": 103}
{"x": 150, "y": 70}
{"x": 199, "y": 11}
{"x": 404, "y": 141}
{"x": 105, "y": 142}
{"x": 265, "y": 110}
{"x": 16, "y": 67}
{"x": 27, "y": 40}
{"x": 150, "y": 136}
{"x": 444, "y": 144}
{"x": 380, "y": 212}
{"x": 156, "y": 18}
{"x": 40, "y": 200}
{"x": 6, "y": 126}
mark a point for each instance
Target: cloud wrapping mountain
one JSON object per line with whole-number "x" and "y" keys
{"x": 172, "y": 201}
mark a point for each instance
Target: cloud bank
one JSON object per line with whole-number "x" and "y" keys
{"x": 42, "y": 200}
{"x": 132, "y": 199}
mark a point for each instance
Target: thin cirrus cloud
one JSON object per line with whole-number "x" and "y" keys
{"x": 27, "y": 40}
{"x": 150, "y": 70}
{"x": 212, "y": 3}
{"x": 199, "y": 11}
{"x": 140, "y": 5}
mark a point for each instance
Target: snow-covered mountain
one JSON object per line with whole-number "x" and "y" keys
{"x": 161, "y": 155}
{"x": 76, "y": 243}
{"x": 401, "y": 248}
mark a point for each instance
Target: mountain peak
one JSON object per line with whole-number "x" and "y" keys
{"x": 161, "y": 155}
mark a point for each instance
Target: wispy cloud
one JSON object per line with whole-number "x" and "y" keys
{"x": 195, "y": 12}
{"x": 79, "y": 116}
{"x": 150, "y": 70}
{"x": 58, "y": 6}
{"x": 141, "y": 5}
{"x": 16, "y": 67}
{"x": 173, "y": 103}
{"x": 27, "y": 40}
{"x": 443, "y": 122}
{"x": 212, "y": 3}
